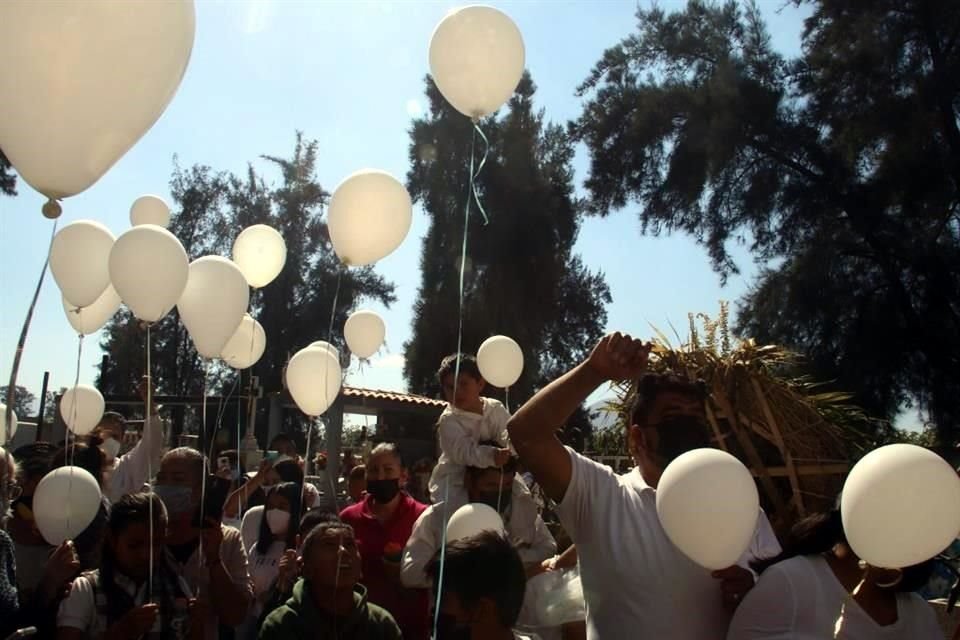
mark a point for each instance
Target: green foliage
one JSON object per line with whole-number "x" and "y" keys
{"x": 8, "y": 179}
{"x": 523, "y": 279}
{"x": 24, "y": 402}
{"x": 839, "y": 170}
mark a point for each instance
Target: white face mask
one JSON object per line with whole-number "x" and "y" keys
{"x": 278, "y": 520}
{"x": 110, "y": 448}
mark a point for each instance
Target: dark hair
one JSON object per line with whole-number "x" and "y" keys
{"x": 88, "y": 457}
{"x": 819, "y": 533}
{"x": 509, "y": 467}
{"x": 282, "y": 437}
{"x": 652, "y": 385}
{"x": 317, "y": 532}
{"x": 289, "y": 471}
{"x": 387, "y": 447}
{"x": 33, "y": 460}
{"x": 483, "y": 566}
{"x": 468, "y": 366}
{"x": 314, "y": 517}
{"x": 290, "y": 491}
{"x": 115, "y": 418}
{"x": 191, "y": 455}
{"x": 133, "y": 508}
{"x": 359, "y": 472}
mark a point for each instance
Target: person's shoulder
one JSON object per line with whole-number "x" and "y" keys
{"x": 415, "y": 505}
{"x": 353, "y": 513}
{"x": 380, "y": 618}
{"x": 279, "y": 622}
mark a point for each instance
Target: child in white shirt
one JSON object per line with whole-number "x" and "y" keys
{"x": 468, "y": 420}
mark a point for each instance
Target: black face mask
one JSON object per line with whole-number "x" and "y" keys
{"x": 383, "y": 491}
{"x": 449, "y": 629}
{"x": 679, "y": 434}
{"x": 491, "y": 499}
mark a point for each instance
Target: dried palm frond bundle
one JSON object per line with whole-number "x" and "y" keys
{"x": 795, "y": 438}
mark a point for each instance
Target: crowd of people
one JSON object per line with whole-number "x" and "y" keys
{"x": 183, "y": 550}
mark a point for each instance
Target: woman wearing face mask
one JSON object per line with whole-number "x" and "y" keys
{"x": 278, "y": 533}
{"x": 383, "y": 522}
{"x": 118, "y": 600}
{"x": 802, "y": 592}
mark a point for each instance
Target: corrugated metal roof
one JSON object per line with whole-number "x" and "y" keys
{"x": 392, "y": 396}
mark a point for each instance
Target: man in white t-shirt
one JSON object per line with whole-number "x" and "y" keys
{"x": 636, "y": 583}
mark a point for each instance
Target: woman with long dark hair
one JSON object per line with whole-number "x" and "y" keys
{"x": 118, "y": 600}
{"x": 806, "y": 593}
{"x": 276, "y": 534}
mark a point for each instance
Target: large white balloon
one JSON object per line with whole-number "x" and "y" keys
{"x": 81, "y": 408}
{"x": 91, "y": 318}
{"x": 370, "y": 215}
{"x": 150, "y": 209}
{"x": 323, "y": 344}
{"x": 313, "y": 378}
{"x": 247, "y": 344}
{"x": 900, "y": 506}
{"x": 364, "y": 332}
{"x": 213, "y": 303}
{"x": 708, "y": 505}
{"x": 473, "y": 518}
{"x": 3, "y": 424}
{"x": 65, "y": 503}
{"x": 84, "y": 81}
{"x": 79, "y": 261}
{"x": 149, "y": 269}
{"x": 500, "y": 360}
{"x": 260, "y": 252}
{"x": 476, "y": 59}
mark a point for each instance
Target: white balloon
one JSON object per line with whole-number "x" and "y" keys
{"x": 364, "y": 332}
{"x": 474, "y": 518}
{"x": 91, "y": 318}
{"x": 313, "y": 378}
{"x": 260, "y": 252}
{"x": 79, "y": 258}
{"x": 327, "y": 346}
{"x": 900, "y": 506}
{"x": 370, "y": 215}
{"x": 476, "y": 59}
{"x": 3, "y": 424}
{"x": 65, "y": 502}
{"x": 708, "y": 505}
{"x": 81, "y": 408}
{"x": 213, "y": 303}
{"x": 84, "y": 82}
{"x": 500, "y": 360}
{"x": 150, "y": 209}
{"x": 149, "y": 269}
{"x": 247, "y": 344}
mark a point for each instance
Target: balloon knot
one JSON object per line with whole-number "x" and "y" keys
{"x": 51, "y": 209}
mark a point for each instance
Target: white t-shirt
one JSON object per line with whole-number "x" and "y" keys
{"x": 460, "y": 433}
{"x": 636, "y": 583}
{"x": 801, "y": 598}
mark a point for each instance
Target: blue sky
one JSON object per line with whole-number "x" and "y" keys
{"x": 350, "y": 74}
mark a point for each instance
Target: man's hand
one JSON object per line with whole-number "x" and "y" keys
{"x": 137, "y": 622}
{"x": 212, "y": 536}
{"x": 735, "y": 582}
{"x": 501, "y": 457}
{"x": 62, "y": 567}
{"x": 619, "y": 357}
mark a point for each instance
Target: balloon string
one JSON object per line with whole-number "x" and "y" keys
{"x": 333, "y": 309}
{"x": 148, "y": 430}
{"x": 203, "y": 476}
{"x": 12, "y": 386}
{"x": 474, "y": 189}
{"x": 843, "y": 607}
{"x": 443, "y": 555}
{"x": 506, "y": 399}
{"x": 74, "y": 409}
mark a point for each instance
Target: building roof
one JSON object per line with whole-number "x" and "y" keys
{"x": 355, "y": 393}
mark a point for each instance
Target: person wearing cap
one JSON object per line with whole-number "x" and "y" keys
{"x": 128, "y": 473}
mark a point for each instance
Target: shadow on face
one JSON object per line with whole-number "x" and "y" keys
{"x": 332, "y": 559}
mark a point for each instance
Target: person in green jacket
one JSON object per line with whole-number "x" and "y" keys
{"x": 328, "y": 601}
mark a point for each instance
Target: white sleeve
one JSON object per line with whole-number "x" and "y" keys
{"x": 763, "y": 546}
{"x": 591, "y": 486}
{"x": 250, "y": 526}
{"x": 499, "y": 416}
{"x": 461, "y": 446}
{"x": 134, "y": 468}
{"x": 421, "y": 547}
{"x": 78, "y": 608}
{"x": 543, "y": 545}
{"x": 769, "y": 609}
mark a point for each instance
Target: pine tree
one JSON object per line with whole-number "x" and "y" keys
{"x": 522, "y": 278}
